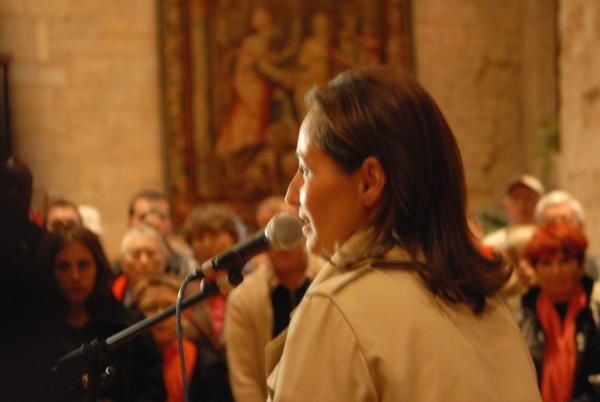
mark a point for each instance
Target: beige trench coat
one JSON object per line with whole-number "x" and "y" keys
{"x": 376, "y": 333}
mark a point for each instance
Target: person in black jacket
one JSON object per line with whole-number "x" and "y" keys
{"x": 81, "y": 308}
{"x": 560, "y": 320}
{"x": 21, "y": 349}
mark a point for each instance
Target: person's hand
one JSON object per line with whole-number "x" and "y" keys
{"x": 526, "y": 273}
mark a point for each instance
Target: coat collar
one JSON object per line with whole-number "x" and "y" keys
{"x": 356, "y": 253}
{"x": 361, "y": 249}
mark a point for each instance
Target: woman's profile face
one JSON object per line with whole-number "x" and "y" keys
{"x": 75, "y": 272}
{"x": 327, "y": 197}
{"x": 558, "y": 275}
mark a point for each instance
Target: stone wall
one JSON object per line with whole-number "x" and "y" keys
{"x": 492, "y": 69}
{"x": 85, "y": 100}
{"x": 579, "y": 25}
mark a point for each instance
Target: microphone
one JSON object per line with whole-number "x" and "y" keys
{"x": 283, "y": 232}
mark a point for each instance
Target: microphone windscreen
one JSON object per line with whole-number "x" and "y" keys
{"x": 283, "y": 231}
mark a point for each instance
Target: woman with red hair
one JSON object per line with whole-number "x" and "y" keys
{"x": 560, "y": 320}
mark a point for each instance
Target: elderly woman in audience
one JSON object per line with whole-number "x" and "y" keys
{"x": 560, "y": 320}
{"x": 559, "y": 205}
{"x": 143, "y": 253}
{"x": 82, "y": 308}
{"x": 206, "y": 373}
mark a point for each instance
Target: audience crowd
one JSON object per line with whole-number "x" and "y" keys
{"x": 72, "y": 294}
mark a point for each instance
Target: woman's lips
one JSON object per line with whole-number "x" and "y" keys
{"x": 306, "y": 228}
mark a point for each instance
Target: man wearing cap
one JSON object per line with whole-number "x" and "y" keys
{"x": 522, "y": 195}
{"x": 520, "y": 200}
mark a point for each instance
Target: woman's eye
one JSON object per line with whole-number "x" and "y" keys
{"x": 61, "y": 265}
{"x": 566, "y": 260}
{"x": 303, "y": 171}
{"x": 84, "y": 264}
{"x": 545, "y": 263}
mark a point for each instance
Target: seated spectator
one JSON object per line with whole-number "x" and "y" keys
{"x": 206, "y": 374}
{"x": 560, "y": 320}
{"x": 143, "y": 253}
{"x": 61, "y": 213}
{"x": 152, "y": 208}
{"x": 82, "y": 308}
{"x": 259, "y": 309}
{"x": 559, "y": 205}
{"x": 522, "y": 195}
{"x": 210, "y": 230}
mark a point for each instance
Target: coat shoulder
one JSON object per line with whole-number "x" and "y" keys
{"x": 373, "y": 283}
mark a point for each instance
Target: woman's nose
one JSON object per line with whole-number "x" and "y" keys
{"x": 75, "y": 274}
{"x": 207, "y": 242}
{"x": 293, "y": 190}
{"x": 144, "y": 257}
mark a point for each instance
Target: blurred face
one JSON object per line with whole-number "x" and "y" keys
{"x": 558, "y": 213}
{"x": 75, "y": 273}
{"x": 291, "y": 261}
{"x": 283, "y": 261}
{"x": 208, "y": 244}
{"x": 61, "y": 217}
{"x": 558, "y": 275}
{"x": 154, "y": 300}
{"x": 143, "y": 258}
{"x": 520, "y": 204}
{"x": 155, "y": 214}
{"x": 265, "y": 214}
{"x": 327, "y": 197}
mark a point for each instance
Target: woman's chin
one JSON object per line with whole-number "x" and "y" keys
{"x": 311, "y": 244}
{"x": 77, "y": 298}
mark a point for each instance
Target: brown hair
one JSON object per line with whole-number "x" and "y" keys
{"x": 53, "y": 243}
{"x": 150, "y": 195}
{"x": 378, "y": 112}
{"x": 213, "y": 218}
{"x": 61, "y": 202}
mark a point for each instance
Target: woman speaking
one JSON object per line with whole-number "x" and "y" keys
{"x": 405, "y": 309}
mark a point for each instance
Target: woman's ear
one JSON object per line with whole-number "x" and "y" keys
{"x": 372, "y": 182}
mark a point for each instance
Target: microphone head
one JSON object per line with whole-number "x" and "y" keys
{"x": 283, "y": 231}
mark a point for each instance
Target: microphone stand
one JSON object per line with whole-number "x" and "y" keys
{"x": 93, "y": 351}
